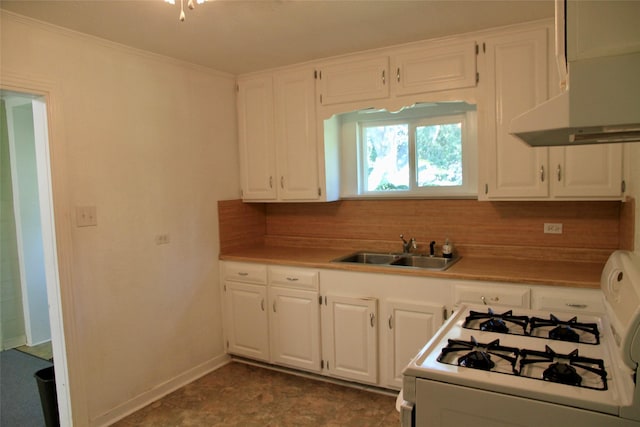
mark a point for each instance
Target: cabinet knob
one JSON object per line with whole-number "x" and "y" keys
{"x": 372, "y": 319}
{"x": 398, "y": 74}
{"x": 542, "y": 173}
{"x": 559, "y": 173}
{"x": 384, "y": 78}
{"x": 262, "y": 304}
{"x": 389, "y": 321}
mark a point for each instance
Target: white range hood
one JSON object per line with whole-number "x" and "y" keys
{"x": 601, "y": 103}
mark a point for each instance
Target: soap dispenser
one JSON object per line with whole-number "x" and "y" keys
{"x": 447, "y": 249}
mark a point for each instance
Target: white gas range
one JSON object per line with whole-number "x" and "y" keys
{"x": 497, "y": 368}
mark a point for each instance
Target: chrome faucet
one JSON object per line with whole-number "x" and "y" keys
{"x": 407, "y": 246}
{"x": 432, "y": 250}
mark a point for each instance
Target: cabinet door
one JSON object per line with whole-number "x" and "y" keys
{"x": 295, "y": 328}
{"x": 296, "y": 144}
{"x": 587, "y": 171}
{"x": 350, "y": 333}
{"x": 256, "y": 138}
{"x": 435, "y": 67}
{"x": 514, "y": 80}
{"x": 357, "y": 80}
{"x": 409, "y": 327}
{"x": 248, "y": 329}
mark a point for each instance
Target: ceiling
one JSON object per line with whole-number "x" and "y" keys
{"x": 239, "y": 36}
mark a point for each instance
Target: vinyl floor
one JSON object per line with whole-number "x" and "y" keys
{"x": 239, "y": 394}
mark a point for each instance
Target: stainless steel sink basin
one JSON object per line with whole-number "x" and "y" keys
{"x": 426, "y": 262}
{"x": 399, "y": 260}
{"x": 368, "y": 258}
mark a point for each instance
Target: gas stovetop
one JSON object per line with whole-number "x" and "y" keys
{"x": 554, "y": 327}
{"x": 548, "y": 365}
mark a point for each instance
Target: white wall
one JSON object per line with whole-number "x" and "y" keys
{"x": 151, "y": 143}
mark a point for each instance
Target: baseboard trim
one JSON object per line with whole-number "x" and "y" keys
{"x": 144, "y": 399}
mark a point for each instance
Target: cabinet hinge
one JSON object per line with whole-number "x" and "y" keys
{"x": 623, "y": 186}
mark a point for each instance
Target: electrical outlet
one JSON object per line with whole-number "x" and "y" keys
{"x": 162, "y": 239}
{"x": 86, "y": 216}
{"x": 552, "y": 228}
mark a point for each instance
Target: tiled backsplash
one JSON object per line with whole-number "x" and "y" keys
{"x": 591, "y": 229}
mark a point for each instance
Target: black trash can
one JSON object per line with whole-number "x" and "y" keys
{"x": 46, "y": 379}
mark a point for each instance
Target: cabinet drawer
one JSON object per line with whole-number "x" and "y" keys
{"x": 573, "y": 301}
{"x": 245, "y": 272}
{"x": 492, "y": 296}
{"x": 293, "y": 277}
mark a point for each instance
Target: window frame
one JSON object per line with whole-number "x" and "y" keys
{"x": 413, "y": 119}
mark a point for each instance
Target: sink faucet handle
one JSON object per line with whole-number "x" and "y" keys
{"x": 432, "y": 249}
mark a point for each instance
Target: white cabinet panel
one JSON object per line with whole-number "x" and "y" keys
{"x": 492, "y": 295}
{"x": 350, "y": 333}
{"x": 294, "y": 324}
{"x": 354, "y": 80}
{"x": 433, "y": 67}
{"x": 256, "y": 138}
{"x": 247, "y": 326}
{"x": 296, "y": 139}
{"x": 515, "y": 80}
{"x": 587, "y": 171}
{"x": 409, "y": 325}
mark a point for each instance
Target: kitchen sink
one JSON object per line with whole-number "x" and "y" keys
{"x": 399, "y": 260}
{"x": 426, "y": 262}
{"x": 368, "y": 258}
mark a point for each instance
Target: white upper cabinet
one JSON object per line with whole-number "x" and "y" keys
{"x": 518, "y": 75}
{"x": 282, "y": 150}
{"x": 359, "y": 79}
{"x": 514, "y": 81}
{"x": 433, "y": 67}
{"x": 256, "y": 138}
{"x": 587, "y": 171}
{"x": 296, "y": 138}
{"x": 366, "y": 80}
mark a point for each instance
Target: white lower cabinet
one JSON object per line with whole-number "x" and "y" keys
{"x": 409, "y": 325}
{"x": 247, "y": 327}
{"x": 294, "y": 318}
{"x": 350, "y": 337}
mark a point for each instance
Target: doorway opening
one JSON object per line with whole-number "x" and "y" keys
{"x": 30, "y": 312}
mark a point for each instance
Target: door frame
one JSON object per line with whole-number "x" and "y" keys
{"x": 57, "y": 242}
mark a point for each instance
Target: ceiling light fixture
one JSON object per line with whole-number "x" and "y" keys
{"x": 190, "y": 5}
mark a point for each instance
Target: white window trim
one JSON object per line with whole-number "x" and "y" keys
{"x": 353, "y": 165}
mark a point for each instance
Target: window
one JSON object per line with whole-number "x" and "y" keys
{"x": 418, "y": 152}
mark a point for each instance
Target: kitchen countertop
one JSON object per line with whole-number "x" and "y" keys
{"x": 529, "y": 271}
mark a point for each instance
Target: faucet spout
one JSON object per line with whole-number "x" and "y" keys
{"x": 432, "y": 250}
{"x": 407, "y": 246}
